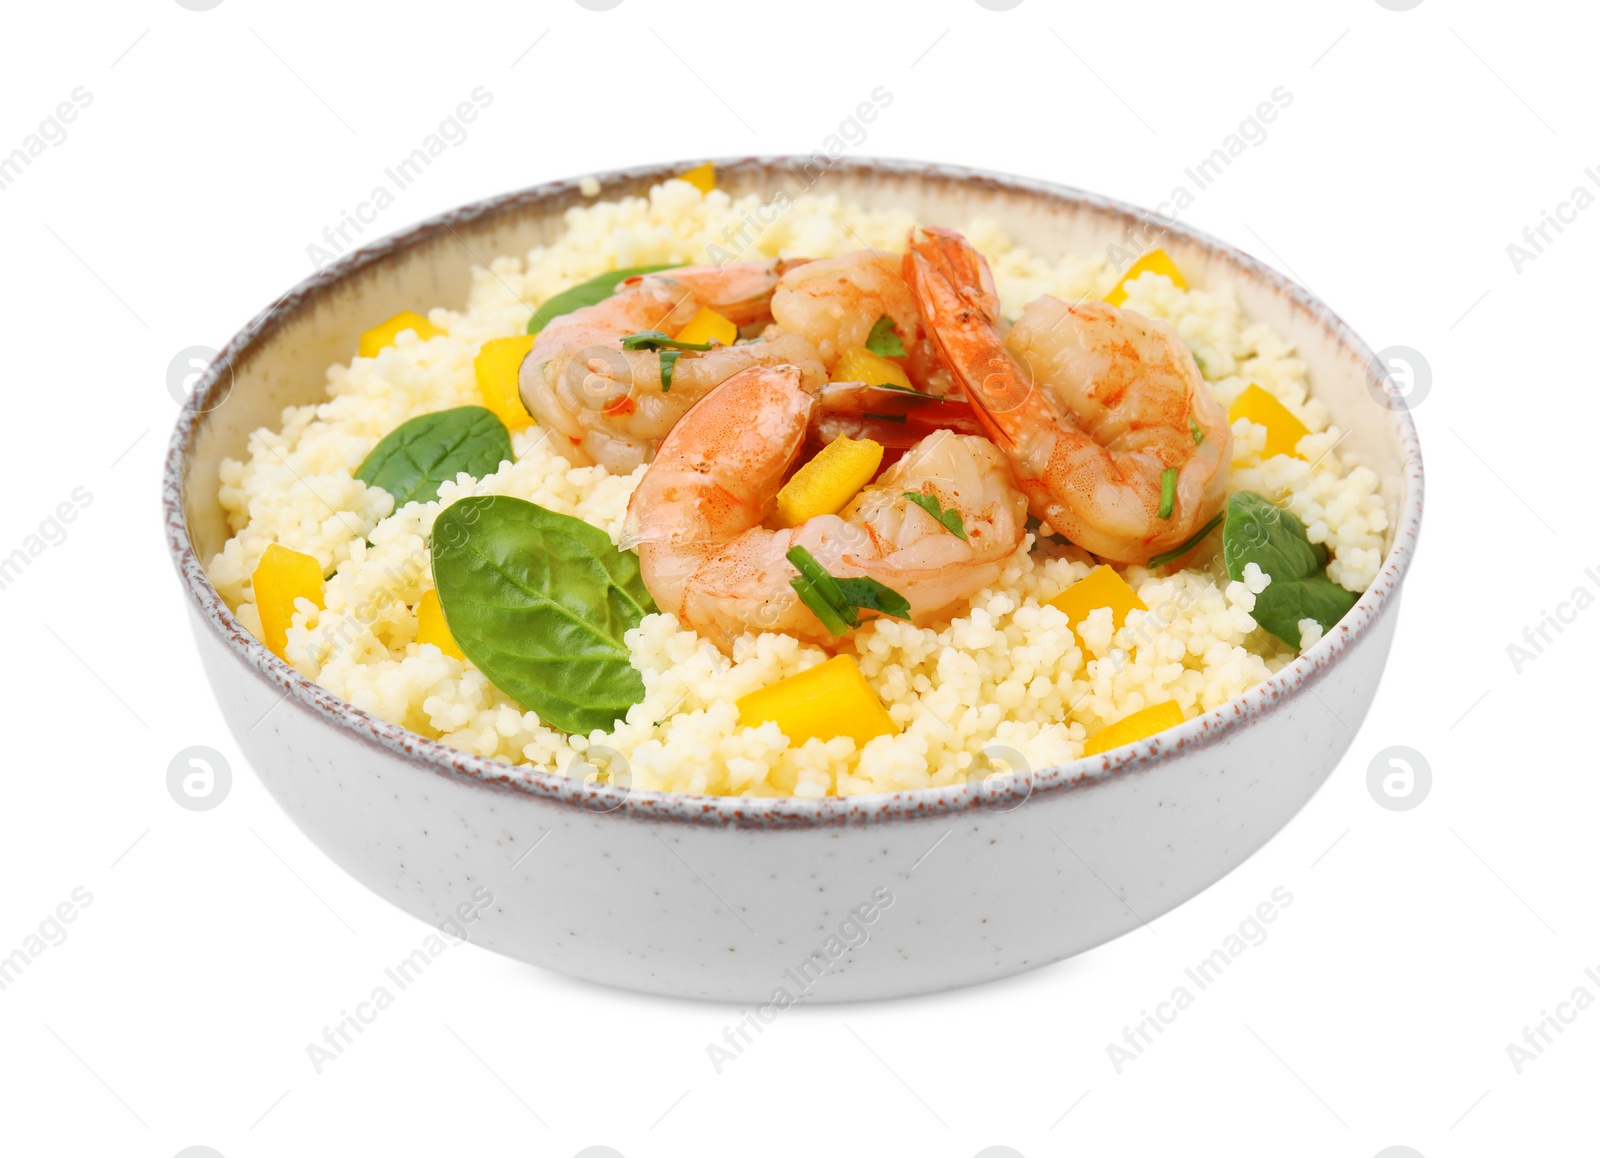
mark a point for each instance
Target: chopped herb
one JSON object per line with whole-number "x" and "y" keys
{"x": 836, "y": 601}
{"x": 814, "y": 599}
{"x": 900, "y": 418}
{"x": 950, "y": 519}
{"x": 814, "y": 573}
{"x": 669, "y": 359}
{"x": 1169, "y": 491}
{"x": 656, "y": 340}
{"x": 1195, "y": 432}
{"x": 671, "y": 350}
{"x": 883, "y": 341}
{"x": 870, "y": 595}
{"x": 1201, "y": 363}
{"x": 1194, "y": 541}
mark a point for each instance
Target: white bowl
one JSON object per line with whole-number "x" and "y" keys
{"x": 736, "y": 899}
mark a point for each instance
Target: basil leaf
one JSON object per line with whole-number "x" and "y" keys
{"x": 883, "y": 341}
{"x": 416, "y": 456}
{"x": 950, "y": 520}
{"x": 540, "y": 602}
{"x": 1275, "y": 540}
{"x": 587, "y": 293}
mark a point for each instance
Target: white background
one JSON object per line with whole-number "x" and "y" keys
{"x": 218, "y": 944}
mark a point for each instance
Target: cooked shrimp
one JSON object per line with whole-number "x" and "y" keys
{"x": 896, "y": 419}
{"x": 695, "y": 518}
{"x": 603, "y": 404}
{"x": 1099, "y": 410}
{"x": 833, "y": 303}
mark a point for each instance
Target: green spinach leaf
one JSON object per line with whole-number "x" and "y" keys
{"x": 540, "y": 602}
{"x": 587, "y": 293}
{"x": 416, "y": 456}
{"x": 1275, "y": 540}
{"x": 883, "y": 341}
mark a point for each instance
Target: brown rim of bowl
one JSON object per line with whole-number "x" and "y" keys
{"x": 779, "y": 812}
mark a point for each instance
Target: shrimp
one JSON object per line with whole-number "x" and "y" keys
{"x": 834, "y": 303}
{"x": 1109, "y": 429}
{"x": 609, "y": 406}
{"x": 696, "y": 517}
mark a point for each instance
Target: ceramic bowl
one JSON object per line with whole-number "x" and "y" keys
{"x": 749, "y": 900}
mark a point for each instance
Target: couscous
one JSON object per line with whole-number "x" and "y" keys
{"x": 762, "y": 527}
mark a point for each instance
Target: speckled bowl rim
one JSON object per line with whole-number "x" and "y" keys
{"x": 782, "y": 812}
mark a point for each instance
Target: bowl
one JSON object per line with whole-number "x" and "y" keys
{"x": 750, "y": 900}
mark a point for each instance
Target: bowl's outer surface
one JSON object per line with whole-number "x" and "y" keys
{"x": 732, "y": 899}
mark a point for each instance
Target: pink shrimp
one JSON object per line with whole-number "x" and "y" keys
{"x": 1102, "y": 413}
{"x": 609, "y": 406}
{"x": 696, "y": 517}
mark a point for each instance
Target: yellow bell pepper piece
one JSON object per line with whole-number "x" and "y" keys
{"x": 385, "y": 333}
{"x": 431, "y": 627}
{"x": 280, "y": 578}
{"x": 702, "y": 177}
{"x": 497, "y": 366}
{"x": 708, "y": 325}
{"x": 1156, "y": 261}
{"x": 1102, "y": 587}
{"x": 830, "y": 480}
{"x": 1140, "y": 725}
{"x": 831, "y": 699}
{"x": 859, "y": 364}
{"x": 1284, "y": 430}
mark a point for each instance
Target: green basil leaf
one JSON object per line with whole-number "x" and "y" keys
{"x": 883, "y": 341}
{"x": 1275, "y": 540}
{"x": 416, "y": 456}
{"x": 587, "y": 293}
{"x": 950, "y": 520}
{"x": 540, "y": 602}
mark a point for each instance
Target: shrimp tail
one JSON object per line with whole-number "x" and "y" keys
{"x": 953, "y": 286}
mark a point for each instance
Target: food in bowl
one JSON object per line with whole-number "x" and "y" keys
{"x": 831, "y": 515}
